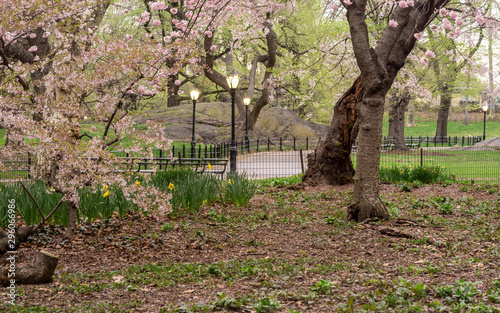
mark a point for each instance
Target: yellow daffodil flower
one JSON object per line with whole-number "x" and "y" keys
{"x": 105, "y": 194}
{"x": 171, "y": 186}
{"x": 209, "y": 166}
{"x": 105, "y": 187}
{"x": 137, "y": 183}
{"x": 229, "y": 182}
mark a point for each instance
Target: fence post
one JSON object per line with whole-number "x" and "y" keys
{"x": 218, "y": 151}
{"x": 421, "y": 157}
{"x": 161, "y": 157}
{"x": 199, "y": 151}
{"x": 281, "y": 144}
{"x": 307, "y": 143}
{"x": 257, "y": 144}
{"x": 183, "y": 151}
{"x": 294, "y": 143}
{"x": 268, "y": 141}
{"x": 302, "y": 161}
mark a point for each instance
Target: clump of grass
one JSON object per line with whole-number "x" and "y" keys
{"x": 239, "y": 190}
{"x": 418, "y": 174}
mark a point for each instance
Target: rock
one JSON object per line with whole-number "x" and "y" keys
{"x": 213, "y": 123}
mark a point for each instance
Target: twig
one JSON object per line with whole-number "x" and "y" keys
{"x": 32, "y": 198}
{"x": 44, "y": 219}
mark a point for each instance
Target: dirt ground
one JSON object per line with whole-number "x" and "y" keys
{"x": 278, "y": 248}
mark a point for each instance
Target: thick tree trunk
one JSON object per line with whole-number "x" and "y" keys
{"x": 410, "y": 119}
{"x": 330, "y": 163}
{"x": 366, "y": 202}
{"x": 70, "y": 231}
{"x": 444, "y": 110}
{"x": 397, "y": 120}
{"x": 39, "y": 272}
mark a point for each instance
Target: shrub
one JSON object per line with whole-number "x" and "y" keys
{"x": 422, "y": 174}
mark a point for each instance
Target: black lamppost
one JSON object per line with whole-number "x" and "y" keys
{"x": 485, "y": 108}
{"x": 232, "y": 80}
{"x": 194, "y": 96}
{"x": 247, "y": 103}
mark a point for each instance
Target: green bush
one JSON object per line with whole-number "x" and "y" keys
{"x": 418, "y": 174}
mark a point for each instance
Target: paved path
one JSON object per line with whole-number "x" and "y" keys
{"x": 271, "y": 164}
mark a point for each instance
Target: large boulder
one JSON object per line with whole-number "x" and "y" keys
{"x": 213, "y": 123}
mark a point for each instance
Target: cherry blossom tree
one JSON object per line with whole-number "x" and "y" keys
{"x": 59, "y": 66}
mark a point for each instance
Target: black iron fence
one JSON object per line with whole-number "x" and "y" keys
{"x": 15, "y": 168}
{"x": 279, "y": 157}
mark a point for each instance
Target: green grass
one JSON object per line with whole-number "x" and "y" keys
{"x": 427, "y": 127}
{"x": 463, "y": 165}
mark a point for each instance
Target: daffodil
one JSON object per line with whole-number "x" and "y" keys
{"x": 229, "y": 182}
{"x": 52, "y": 189}
{"x": 205, "y": 202}
{"x": 137, "y": 183}
{"x": 209, "y": 166}
{"x": 171, "y": 186}
{"x": 105, "y": 187}
{"x": 105, "y": 194}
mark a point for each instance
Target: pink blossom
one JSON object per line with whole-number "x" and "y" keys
{"x": 175, "y": 21}
{"x": 33, "y": 49}
{"x": 128, "y": 37}
{"x": 335, "y": 6}
{"x": 36, "y": 58}
{"x": 213, "y": 48}
{"x": 141, "y": 89}
{"x": 125, "y": 11}
{"x": 410, "y": 3}
{"x": 451, "y": 35}
{"x": 180, "y": 92}
{"x": 177, "y": 82}
{"x": 424, "y": 61}
{"x": 156, "y": 22}
{"x": 208, "y": 34}
{"x": 454, "y": 15}
{"x": 480, "y": 19}
{"x": 23, "y": 76}
{"x": 130, "y": 91}
{"x": 32, "y": 35}
{"x": 403, "y": 4}
{"x": 148, "y": 35}
{"x": 434, "y": 28}
{"x": 459, "y": 22}
{"x": 447, "y": 24}
{"x": 229, "y": 9}
{"x": 443, "y": 12}
{"x": 174, "y": 34}
{"x": 173, "y": 10}
{"x": 458, "y": 32}
{"x": 348, "y": 2}
{"x": 137, "y": 19}
{"x": 393, "y": 23}
{"x": 418, "y": 36}
{"x": 430, "y": 54}
{"x": 189, "y": 14}
{"x": 203, "y": 14}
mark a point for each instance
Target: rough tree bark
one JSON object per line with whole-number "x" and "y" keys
{"x": 330, "y": 163}
{"x": 398, "y": 104}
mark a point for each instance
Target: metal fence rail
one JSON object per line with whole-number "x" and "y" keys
{"x": 279, "y": 157}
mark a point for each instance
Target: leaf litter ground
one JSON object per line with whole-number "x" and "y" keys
{"x": 273, "y": 253}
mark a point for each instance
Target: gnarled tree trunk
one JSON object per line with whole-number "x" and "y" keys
{"x": 330, "y": 163}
